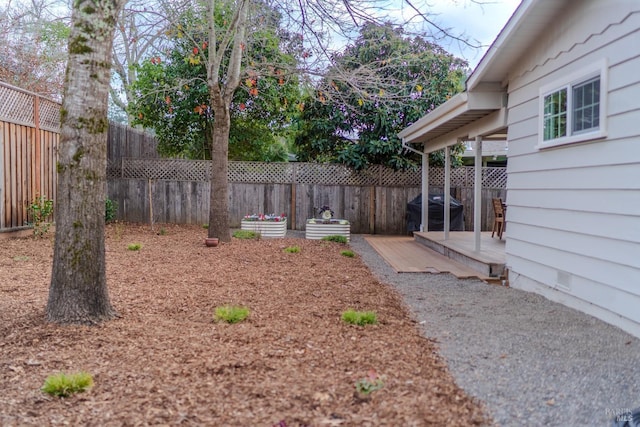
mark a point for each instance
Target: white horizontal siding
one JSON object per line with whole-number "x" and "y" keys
{"x": 575, "y": 209}
{"x": 617, "y": 202}
{"x": 601, "y": 177}
{"x": 620, "y": 277}
{"x": 597, "y": 248}
{"x": 620, "y": 227}
{"x": 523, "y": 158}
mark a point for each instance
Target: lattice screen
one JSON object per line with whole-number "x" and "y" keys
{"x": 16, "y": 106}
{"x": 298, "y": 173}
{"x": 49, "y": 115}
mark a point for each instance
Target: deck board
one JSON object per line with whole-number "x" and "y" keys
{"x": 405, "y": 255}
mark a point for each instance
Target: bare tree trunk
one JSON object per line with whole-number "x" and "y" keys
{"x": 219, "y": 196}
{"x": 220, "y": 94}
{"x": 78, "y": 291}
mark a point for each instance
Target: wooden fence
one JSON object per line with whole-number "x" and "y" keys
{"x": 147, "y": 188}
{"x": 374, "y": 200}
{"x": 29, "y": 137}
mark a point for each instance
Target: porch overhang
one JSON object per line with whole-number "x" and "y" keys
{"x": 464, "y": 116}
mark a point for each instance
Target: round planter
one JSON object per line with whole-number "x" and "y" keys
{"x": 266, "y": 228}
{"x": 211, "y": 242}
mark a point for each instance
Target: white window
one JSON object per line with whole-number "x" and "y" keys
{"x": 573, "y": 109}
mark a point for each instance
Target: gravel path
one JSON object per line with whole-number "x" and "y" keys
{"x": 532, "y": 362}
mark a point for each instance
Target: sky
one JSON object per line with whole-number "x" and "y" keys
{"x": 479, "y": 20}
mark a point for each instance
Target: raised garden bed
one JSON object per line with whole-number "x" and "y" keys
{"x": 266, "y": 228}
{"x": 317, "y": 229}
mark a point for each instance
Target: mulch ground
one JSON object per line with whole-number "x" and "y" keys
{"x": 165, "y": 361}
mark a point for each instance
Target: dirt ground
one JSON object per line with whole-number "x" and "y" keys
{"x": 165, "y": 361}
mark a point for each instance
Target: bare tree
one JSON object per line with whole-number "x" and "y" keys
{"x": 78, "y": 291}
{"x": 33, "y": 45}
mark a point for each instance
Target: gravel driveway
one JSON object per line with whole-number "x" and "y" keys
{"x": 532, "y": 362}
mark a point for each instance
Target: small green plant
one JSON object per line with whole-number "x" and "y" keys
{"x": 205, "y": 226}
{"x": 369, "y": 384}
{"x": 63, "y": 385}
{"x": 110, "y": 210}
{"x": 347, "y": 253}
{"x": 337, "y": 238}
{"x": 231, "y": 313}
{"x": 134, "y": 246}
{"x": 162, "y": 232}
{"x": 40, "y": 211}
{"x": 292, "y": 249}
{"x": 246, "y": 234}
{"x": 360, "y": 318}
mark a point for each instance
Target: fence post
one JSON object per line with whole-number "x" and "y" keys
{"x": 293, "y": 196}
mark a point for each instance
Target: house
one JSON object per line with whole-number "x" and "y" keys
{"x": 562, "y": 83}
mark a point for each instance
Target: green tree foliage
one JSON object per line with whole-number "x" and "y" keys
{"x": 173, "y": 98}
{"x": 377, "y": 86}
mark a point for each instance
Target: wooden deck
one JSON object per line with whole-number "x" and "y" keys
{"x": 430, "y": 253}
{"x": 490, "y": 260}
{"x": 405, "y": 255}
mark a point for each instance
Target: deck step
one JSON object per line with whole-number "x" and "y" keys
{"x": 490, "y": 261}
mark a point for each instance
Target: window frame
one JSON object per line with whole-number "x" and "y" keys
{"x": 568, "y": 83}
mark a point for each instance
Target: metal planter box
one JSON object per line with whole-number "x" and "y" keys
{"x": 266, "y": 228}
{"x": 318, "y": 230}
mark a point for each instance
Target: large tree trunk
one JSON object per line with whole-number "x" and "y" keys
{"x": 78, "y": 290}
{"x": 219, "y": 197}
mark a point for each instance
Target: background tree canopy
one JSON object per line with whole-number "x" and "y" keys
{"x": 377, "y": 86}
{"x": 172, "y": 97}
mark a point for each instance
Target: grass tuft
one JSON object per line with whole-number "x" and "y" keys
{"x": 231, "y": 314}
{"x": 337, "y": 238}
{"x": 348, "y": 253}
{"x": 360, "y": 318}
{"x": 292, "y": 249}
{"x": 134, "y": 246}
{"x": 246, "y": 234}
{"x": 63, "y": 385}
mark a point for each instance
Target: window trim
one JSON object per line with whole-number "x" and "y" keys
{"x": 577, "y": 78}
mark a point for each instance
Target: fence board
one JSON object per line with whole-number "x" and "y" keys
{"x": 29, "y": 137}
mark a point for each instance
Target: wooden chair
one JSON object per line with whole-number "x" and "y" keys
{"x": 499, "y": 217}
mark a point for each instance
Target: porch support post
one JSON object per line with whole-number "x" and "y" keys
{"x": 447, "y": 192}
{"x": 477, "y": 195}
{"x": 424, "y": 226}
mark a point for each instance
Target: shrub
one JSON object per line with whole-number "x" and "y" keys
{"x": 292, "y": 249}
{"x": 110, "y": 210}
{"x": 246, "y": 234}
{"x": 63, "y": 385}
{"x": 40, "y": 211}
{"x": 360, "y": 318}
{"x": 134, "y": 246}
{"x": 335, "y": 238}
{"x": 347, "y": 253}
{"x": 231, "y": 314}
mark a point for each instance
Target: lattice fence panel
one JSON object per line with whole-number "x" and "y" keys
{"x": 393, "y": 178}
{"x": 162, "y": 169}
{"x": 299, "y": 173}
{"x": 49, "y": 115}
{"x": 436, "y": 176}
{"x": 268, "y": 173}
{"x": 494, "y": 177}
{"x": 330, "y": 174}
{"x": 16, "y": 106}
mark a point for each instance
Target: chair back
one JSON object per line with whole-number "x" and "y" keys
{"x": 497, "y": 208}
